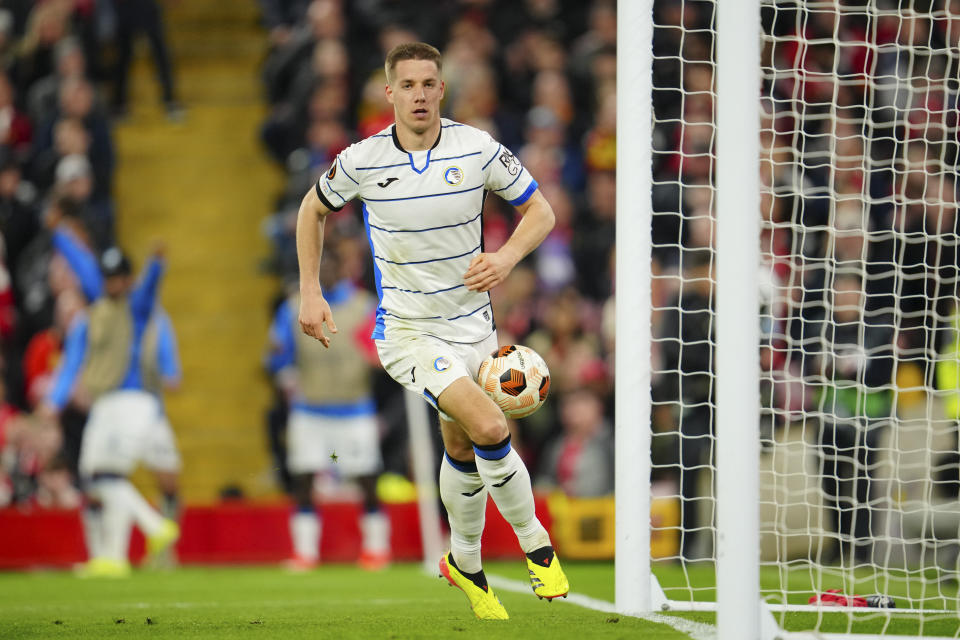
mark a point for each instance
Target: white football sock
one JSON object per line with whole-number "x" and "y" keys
{"x": 305, "y": 532}
{"x": 507, "y": 479}
{"x": 116, "y": 519}
{"x": 375, "y": 527}
{"x": 93, "y": 530}
{"x": 465, "y": 497}
{"x": 147, "y": 518}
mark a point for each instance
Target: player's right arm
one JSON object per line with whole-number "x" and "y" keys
{"x": 314, "y": 310}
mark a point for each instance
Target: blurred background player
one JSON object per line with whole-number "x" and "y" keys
{"x": 160, "y": 370}
{"x": 332, "y": 425}
{"x": 103, "y": 367}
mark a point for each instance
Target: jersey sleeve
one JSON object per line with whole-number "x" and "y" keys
{"x": 71, "y": 363}
{"x": 283, "y": 346}
{"x": 338, "y": 185}
{"x": 504, "y": 175}
{"x": 168, "y": 355}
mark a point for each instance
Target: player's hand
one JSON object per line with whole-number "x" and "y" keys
{"x": 158, "y": 250}
{"x": 487, "y": 270}
{"x": 314, "y": 313}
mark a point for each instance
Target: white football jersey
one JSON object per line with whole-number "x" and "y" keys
{"x": 422, "y": 213}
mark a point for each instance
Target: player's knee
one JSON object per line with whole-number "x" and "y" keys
{"x": 460, "y": 451}
{"x": 490, "y": 431}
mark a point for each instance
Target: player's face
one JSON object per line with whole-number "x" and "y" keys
{"x": 415, "y": 93}
{"x": 117, "y": 285}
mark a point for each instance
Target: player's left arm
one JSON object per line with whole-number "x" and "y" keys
{"x": 487, "y": 270}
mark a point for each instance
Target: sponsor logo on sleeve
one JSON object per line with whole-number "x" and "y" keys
{"x": 333, "y": 171}
{"x": 453, "y": 176}
{"x": 510, "y": 162}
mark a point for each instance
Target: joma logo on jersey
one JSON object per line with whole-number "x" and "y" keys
{"x": 453, "y": 176}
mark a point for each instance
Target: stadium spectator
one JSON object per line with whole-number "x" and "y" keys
{"x": 133, "y": 18}
{"x": 685, "y": 391}
{"x": 580, "y": 460}
{"x": 851, "y": 351}
{"x": 42, "y": 96}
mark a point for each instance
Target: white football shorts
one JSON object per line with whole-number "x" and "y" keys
{"x": 124, "y": 428}
{"x": 348, "y": 446}
{"x": 427, "y": 365}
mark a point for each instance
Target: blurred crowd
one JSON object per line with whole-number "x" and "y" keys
{"x": 859, "y": 270}
{"x": 63, "y": 65}
{"x": 540, "y": 77}
{"x": 858, "y": 210}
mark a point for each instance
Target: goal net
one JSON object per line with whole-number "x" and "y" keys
{"x": 859, "y": 352}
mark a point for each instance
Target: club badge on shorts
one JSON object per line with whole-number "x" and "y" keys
{"x": 441, "y": 364}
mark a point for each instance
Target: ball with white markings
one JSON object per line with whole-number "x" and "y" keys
{"x": 516, "y": 378}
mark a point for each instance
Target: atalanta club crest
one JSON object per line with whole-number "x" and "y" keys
{"x": 453, "y": 176}
{"x": 441, "y": 364}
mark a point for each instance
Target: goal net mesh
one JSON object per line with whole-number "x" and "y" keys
{"x": 859, "y": 370}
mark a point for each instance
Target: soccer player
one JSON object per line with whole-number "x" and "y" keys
{"x": 332, "y": 426}
{"x": 103, "y": 363}
{"x": 160, "y": 370}
{"x": 423, "y": 181}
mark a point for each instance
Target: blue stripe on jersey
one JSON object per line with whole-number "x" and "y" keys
{"x": 384, "y": 166}
{"x": 378, "y": 326}
{"x": 429, "y": 195}
{"x": 335, "y": 191}
{"x": 432, "y": 399}
{"x": 364, "y": 407}
{"x": 414, "y": 167}
{"x": 499, "y": 146}
{"x": 393, "y": 315}
{"x": 431, "y": 260}
{"x": 382, "y": 135}
{"x": 445, "y": 226}
{"x": 403, "y": 164}
{"x": 454, "y": 124}
{"x": 345, "y": 172}
{"x": 426, "y": 293}
{"x": 523, "y": 197}
{"x": 464, "y": 315}
{"x": 511, "y": 184}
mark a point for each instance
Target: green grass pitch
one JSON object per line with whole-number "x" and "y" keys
{"x": 335, "y": 601}
{"x": 340, "y": 601}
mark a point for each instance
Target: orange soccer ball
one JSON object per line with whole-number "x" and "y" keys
{"x": 516, "y": 378}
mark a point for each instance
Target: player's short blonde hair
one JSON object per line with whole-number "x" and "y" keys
{"x": 411, "y": 51}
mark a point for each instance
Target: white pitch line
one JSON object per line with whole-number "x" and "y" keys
{"x": 696, "y": 630}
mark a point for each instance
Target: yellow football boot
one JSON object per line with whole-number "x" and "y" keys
{"x": 547, "y": 577}
{"x": 164, "y": 538}
{"x": 104, "y": 568}
{"x": 485, "y": 604}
